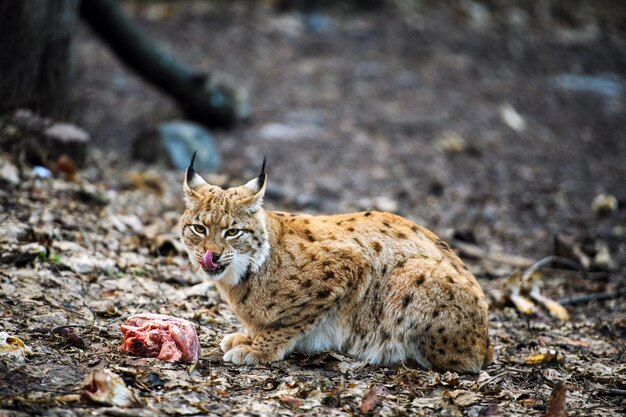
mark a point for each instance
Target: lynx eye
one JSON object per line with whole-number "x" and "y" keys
{"x": 198, "y": 229}
{"x": 232, "y": 232}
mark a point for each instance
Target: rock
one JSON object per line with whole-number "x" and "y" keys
{"x": 24, "y": 254}
{"x": 41, "y": 172}
{"x": 40, "y": 141}
{"x": 14, "y": 231}
{"x": 28, "y": 120}
{"x": 478, "y": 14}
{"x": 512, "y": 118}
{"x": 450, "y": 142}
{"x": 604, "y": 204}
{"x": 67, "y": 139}
{"x": 173, "y": 143}
{"x": 9, "y": 173}
{"x": 609, "y": 86}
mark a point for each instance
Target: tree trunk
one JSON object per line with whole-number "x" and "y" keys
{"x": 35, "y": 52}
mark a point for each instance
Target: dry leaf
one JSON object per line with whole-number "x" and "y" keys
{"x": 556, "y": 406}
{"x": 549, "y": 356}
{"x": 291, "y": 402}
{"x": 555, "y": 309}
{"x": 463, "y": 398}
{"x": 370, "y": 399}
{"x": 514, "y": 288}
{"x": 104, "y": 387}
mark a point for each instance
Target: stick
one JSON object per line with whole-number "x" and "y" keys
{"x": 550, "y": 260}
{"x": 612, "y": 391}
{"x": 474, "y": 251}
{"x": 598, "y": 296}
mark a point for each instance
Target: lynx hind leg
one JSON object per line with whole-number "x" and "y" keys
{"x": 232, "y": 340}
{"x": 456, "y": 337}
{"x": 449, "y": 316}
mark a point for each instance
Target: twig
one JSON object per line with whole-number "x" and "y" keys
{"x": 598, "y": 296}
{"x": 611, "y": 391}
{"x": 550, "y": 260}
{"x": 474, "y": 251}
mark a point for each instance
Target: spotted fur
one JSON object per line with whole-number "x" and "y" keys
{"x": 373, "y": 285}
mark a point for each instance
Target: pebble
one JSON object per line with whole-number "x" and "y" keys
{"x": 512, "y": 118}
{"x": 9, "y": 173}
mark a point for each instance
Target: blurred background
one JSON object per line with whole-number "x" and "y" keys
{"x": 498, "y": 121}
{"x": 498, "y": 124}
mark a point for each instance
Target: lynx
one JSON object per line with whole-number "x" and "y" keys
{"x": 372, "y": 285}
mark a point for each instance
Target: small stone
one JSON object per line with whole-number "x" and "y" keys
{"x": 42, "y": 172}
{"x": 68, "y": 139}
{"x": 451, "y": 142}
{"x": 512, "y": 118}
{"x": 604, "y": 204}
{"x": 9, "y": 173}
{"x": 173, "y": 143}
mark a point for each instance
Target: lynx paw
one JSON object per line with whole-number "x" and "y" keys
{"x": 232, "y": 340}
{"x": 244, "y": 355}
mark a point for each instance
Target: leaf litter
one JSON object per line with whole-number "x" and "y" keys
{"x": 96, "y": 267}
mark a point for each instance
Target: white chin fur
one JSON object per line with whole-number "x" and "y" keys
{"x": 235, "y": 271}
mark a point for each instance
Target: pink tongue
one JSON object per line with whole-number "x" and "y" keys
{"x": 207, "y": 261}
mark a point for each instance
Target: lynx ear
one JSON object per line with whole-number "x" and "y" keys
{"x": 192, "y": 182}
{"x": 257, "y": 186}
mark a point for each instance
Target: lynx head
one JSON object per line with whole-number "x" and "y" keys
{"x": 225, "y": 231}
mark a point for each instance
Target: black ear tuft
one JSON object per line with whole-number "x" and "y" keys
{"x": 262, "y": 175}
{"x": 190, "y": 171}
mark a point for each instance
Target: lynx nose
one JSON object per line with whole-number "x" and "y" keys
{"x": 209, "y": 260}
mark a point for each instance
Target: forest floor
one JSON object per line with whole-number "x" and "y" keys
{"x": 476, "y": 129}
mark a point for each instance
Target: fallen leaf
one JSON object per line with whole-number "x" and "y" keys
{"x": 556, "y": 405}
{"x": 104, "y": 387}
{"x": 555, "y": 309}
{"x": 463, "y": 398}
{"x": 291, "y": 402}
{"x": 549, "y": 356}
{"x": 514, "y": 288}
{"x": 370, "y": 399}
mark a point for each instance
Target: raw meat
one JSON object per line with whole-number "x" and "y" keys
{"x": 159, "y": 336}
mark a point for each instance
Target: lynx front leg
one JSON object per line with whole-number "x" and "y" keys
{"x": 233, "y": 340}
{"x": 269, "y": 345}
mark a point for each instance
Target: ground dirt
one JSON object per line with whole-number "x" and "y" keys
{"x": 454, "y": 119}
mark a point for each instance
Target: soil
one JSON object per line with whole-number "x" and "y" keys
{"x": 457, "y": 122}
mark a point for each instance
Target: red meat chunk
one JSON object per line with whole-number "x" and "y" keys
{"x": 159, "y": 336}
